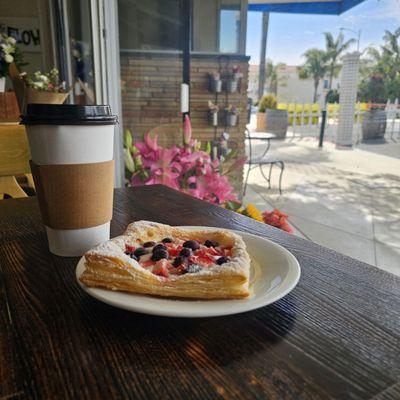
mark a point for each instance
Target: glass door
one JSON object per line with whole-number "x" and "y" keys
{"x": 73, "y": 21}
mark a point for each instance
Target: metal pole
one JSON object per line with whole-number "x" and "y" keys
{"x": 322, "y": 129}
{"x": 263, "y": 52}
{"x": 187, "y": 7}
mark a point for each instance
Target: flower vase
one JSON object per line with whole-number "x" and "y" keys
{"x": 2, "y": 84}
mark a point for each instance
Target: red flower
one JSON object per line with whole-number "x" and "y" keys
{"x": 277, "y": 219}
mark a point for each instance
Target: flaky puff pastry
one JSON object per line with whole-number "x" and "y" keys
{"x": 108, "y": 267}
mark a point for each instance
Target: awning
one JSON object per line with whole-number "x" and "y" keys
{"x": 334, "y": 7}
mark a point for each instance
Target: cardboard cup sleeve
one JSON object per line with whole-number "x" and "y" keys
{"x": 74, "y": 196}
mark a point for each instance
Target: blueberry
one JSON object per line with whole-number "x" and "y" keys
{"x": 159, "y": 254}
{"x": 178, "y": 261}
{"x": 128, "y": 253}
{"x": 167, "y": 240}
{"x": 140, "y": 251}
{"x": 191, "y": 244}
{"x": 185, "y": 252}
{"x": 222, "y": 260}
{"x": 149, "y": 244}
{"x": 193, "y": 268}
{"x": 211, "y": 243}
{"x": 134, "y": 257}
{"x": 159, "y": 247}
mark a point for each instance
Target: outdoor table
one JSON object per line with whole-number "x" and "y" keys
{"x": 263, "y": 136}
{"x": 260, "y": 161}
{"x": 336, "y": 335}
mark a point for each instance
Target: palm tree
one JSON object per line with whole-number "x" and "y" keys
{"x": 271, "y": 74}
{"x": 391, "y": 52}
{"x": 382, "y": 65}
{"x": 334, "y": 49}
{"x": 315, "y": 67}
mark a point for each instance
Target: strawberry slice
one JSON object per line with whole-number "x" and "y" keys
{"x": 212, "y": 251}
{"x": 174, "y": 251}
{"x": 146, "y": 264}
{"x": 202, "y": 258}
{"x": 129, "y": 248}
{"x": 161, "y": 268}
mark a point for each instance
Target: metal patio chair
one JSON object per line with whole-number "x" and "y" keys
{"x": 264, "y": 159}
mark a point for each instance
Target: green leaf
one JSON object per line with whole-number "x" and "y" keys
{"x": 233, "y": 205}
{"x": 232, "y": 154}
{"x": 128, "y": 139}
{"x": 208, "y": 147}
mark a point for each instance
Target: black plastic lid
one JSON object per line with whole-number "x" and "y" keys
{"x": 68, "y": 114}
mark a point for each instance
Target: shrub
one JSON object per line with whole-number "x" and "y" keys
{"x": 268, "y": 102}
{"x": 332, "y": 96}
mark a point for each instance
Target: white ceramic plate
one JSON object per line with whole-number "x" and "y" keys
{"x": 274, "y": 273}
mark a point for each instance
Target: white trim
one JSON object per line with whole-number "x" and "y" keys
{"x": 112, "y": 86}
{"x": 97, "y": 50}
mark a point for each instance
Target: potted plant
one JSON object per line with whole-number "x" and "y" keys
{"x": 44, "y": 88}
{"x": 214, "y": 81}
{"x": 374, "y": 118}
{"x": 276, "y": 121}
{"x": 232, "y": 113}
{"x": 9, "y": 54}
{"x": 232, "y": 84}
{"x": 212, "y": 113}
{"x": 374, "y": 123}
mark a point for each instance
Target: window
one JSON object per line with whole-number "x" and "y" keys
{"x": 150, "y": 24}
{"x": 229, "y": 22}
{"x": 216, "y": 26}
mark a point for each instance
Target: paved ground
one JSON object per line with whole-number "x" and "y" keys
{"x": 347, "y": 200}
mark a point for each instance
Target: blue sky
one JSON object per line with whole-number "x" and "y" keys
{"x": 290, "y": 35}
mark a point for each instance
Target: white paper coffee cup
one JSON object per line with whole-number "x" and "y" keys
{"x": 69, "y": 134}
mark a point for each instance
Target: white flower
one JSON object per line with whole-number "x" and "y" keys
{"x": 9, "y": 49}
{"x": 11, "y": 40}
{"x": 9, "y": 58}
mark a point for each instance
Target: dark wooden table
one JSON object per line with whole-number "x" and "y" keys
{"x": 335, "y": 336}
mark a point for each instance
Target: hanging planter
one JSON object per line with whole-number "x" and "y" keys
{"x": 214, "y": 82}
{"x": 232, "y": 114}
{"x": 213, "y": 118}
{"x": 231, "y": 119}
{"x": 212, "y": 113}
{"x": 231, "y": 86}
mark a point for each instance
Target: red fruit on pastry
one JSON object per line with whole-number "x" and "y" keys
{"x": 129, "y": 248}
{"x": 161, "y": 268}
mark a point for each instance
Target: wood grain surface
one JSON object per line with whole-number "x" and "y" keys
{"x": 335, "y": 336}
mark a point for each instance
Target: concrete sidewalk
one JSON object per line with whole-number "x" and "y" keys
{"x": 347, "y": 200}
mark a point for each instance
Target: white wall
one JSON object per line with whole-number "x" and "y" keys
{"x": 291, "y": 89}
{"x": 295, "y": 90}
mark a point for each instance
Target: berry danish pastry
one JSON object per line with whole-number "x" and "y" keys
{"x": 156, "y": 259}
